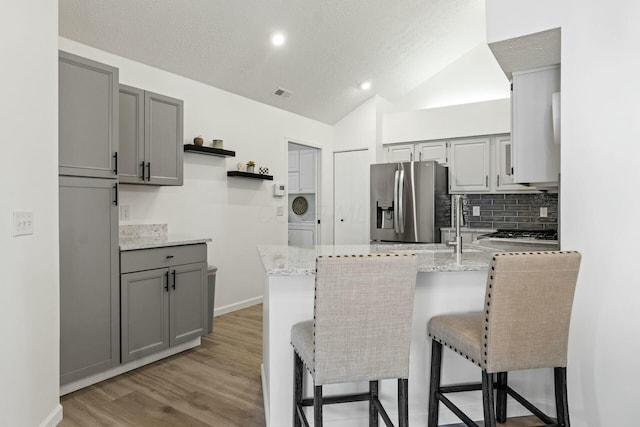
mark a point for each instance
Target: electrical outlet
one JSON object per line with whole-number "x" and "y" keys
{"x": 476, "y": 211}
{"x": 543, "y": 212}
{"x": 280, "y": 211}
{"x": 22, "y": 223}
{"x": 125, "y": 212}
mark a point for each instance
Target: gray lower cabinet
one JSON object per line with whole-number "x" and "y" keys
{"x": 88, "y": 117}
{"x": 162, "y": 306}
{"x": 151, "y": 137}
{"x": 89, "y": 291}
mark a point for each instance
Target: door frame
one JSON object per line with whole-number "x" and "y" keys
{"x": 318, "y": 209}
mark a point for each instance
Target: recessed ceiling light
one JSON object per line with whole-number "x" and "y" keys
{"x": 277, "y": 39}
{"x": 365, "y": 85}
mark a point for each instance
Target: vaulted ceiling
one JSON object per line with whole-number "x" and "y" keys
{"x": 331, "y": 45}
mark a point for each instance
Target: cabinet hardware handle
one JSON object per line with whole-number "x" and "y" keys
{"x": 166, "y": 281}
{"x": 411, "y": 157}
{"x": 115, "y": 163}
{"x": 486, "y": 180}
{"x": 115, "y": 189}
{"x": 142, "y": 167}
{"x": 148, "y": 171}
{"x": 420, "y": 156}
{"x": 169, "y": 256}
{"x": 497, "y": 180}
{"x": 173, "y": 273}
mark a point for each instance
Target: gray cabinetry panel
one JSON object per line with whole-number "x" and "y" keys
{"x": 164, "y": 298}
{"x": 89, "y": 291}
{"x": 146, "y": 259}
{"x": 151, "y": 137}
{"x": 163, "y": 138}
{"x": 145, "y": 313}
{"x": 188, "y": 302}
{"x": 88, "y": 117}
{"x": 131, "y": 164}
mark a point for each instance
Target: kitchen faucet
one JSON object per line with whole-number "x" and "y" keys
{"x": 457, "y": 243}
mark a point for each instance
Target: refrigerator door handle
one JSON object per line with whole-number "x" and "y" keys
{"x": 395, "y": 201}
{"x": 401, "y": 202}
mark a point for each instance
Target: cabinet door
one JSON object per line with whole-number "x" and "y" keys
{"x": 307, "y": 171}
{"x": 469, "y": 165}
{"x": 294, "y": 161}
{"x": 294, "y": 182}
{"x": 399, "y": 153}
{"x": 131, "y": 159}
{"x": 145, "y": 313}
{"x": 432, "y": 151}
{"x": 536, "y": 156}
{"x": 88, "y": 117}
{"x": 188, "y": 302}
{"x": 89, "y": 288}
{"x": 504, "y": 168}
{"x": 163, "y": 139}
{"x": 301, "y": 236}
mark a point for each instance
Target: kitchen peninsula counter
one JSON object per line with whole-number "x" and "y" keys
{"x": 444, "y": 284}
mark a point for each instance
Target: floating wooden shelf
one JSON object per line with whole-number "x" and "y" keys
{"x": 200, "y": 149}
{"x": 250, "y": 175}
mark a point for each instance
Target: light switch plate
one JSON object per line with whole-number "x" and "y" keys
{"x": 476, "y": 211}
{"x": 22, "y": 223}
{"x": 543, "y": 212}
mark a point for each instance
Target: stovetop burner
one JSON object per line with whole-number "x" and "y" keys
{"x": 524, "y": 234}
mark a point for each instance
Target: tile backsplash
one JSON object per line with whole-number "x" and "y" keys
{"x": 515, "y": 211}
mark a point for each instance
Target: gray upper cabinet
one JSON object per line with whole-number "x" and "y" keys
{"x": 164, "y": 298}
{"x": 88, "y": 117}
{"x": 151, "y": 137}
{"x": 89, "y": 291}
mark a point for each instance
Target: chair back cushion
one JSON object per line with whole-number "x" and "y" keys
{"x": 362, "y": 317}
{"x": 527, "y": 310}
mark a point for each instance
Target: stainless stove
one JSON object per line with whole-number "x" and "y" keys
{"x": 551, "y": 235}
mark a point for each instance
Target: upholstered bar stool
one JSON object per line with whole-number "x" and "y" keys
{"x": 361, "y": 331}
{"x": 524, "y": 325}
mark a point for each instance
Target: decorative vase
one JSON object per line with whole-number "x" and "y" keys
{"x": 217, "y": 143}
{"x": 198, "y": 140}
{"x": 250, "y": 169}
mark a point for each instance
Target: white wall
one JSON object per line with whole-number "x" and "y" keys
{"x": 600, "y": 153}
{"x": 237, "y": 213}
{"x": 474, "y": 77}
{"x": 29, "y": 318}
{"x": 507, "y": 19}
{"x": 480, "y": 118}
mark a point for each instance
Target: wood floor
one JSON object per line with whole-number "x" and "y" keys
{"x": 216, "y": 384}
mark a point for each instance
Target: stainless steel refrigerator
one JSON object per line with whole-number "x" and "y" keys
{"x": 409, "y": 202}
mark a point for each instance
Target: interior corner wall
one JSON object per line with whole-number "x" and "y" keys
{"x": 474, "y": 77}
{"x": 29, "y": 319}
{"x": 358, "y": 129}
{"x": 600, "y": 152}
{"x": 237, "y": 213}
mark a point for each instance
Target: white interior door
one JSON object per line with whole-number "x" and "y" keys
{"x": 351, "y": 197}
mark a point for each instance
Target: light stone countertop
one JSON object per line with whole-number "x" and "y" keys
{"x": 433, "y": 257}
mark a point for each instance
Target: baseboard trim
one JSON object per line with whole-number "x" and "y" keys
{"x": 53, "y": 418}
{"x": 121, "y": 369}
{"x": 236, "y": 306}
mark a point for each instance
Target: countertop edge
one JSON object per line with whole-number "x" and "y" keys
{"x": 142, "y": 244}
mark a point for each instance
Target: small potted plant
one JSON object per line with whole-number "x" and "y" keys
{"x": 251, "y": 166}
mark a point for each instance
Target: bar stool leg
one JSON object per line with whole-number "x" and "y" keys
{"x": 297, "y": 388}
{"x": 562, "y": 404}
{"x": 487, "y": 399}
{"x": 373, "y": 409}
{"x": 434, "y": 385}
{"x": 317, "y": 406}
{"x": 501, "y": 398}
{"x": 403, "y": 402}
